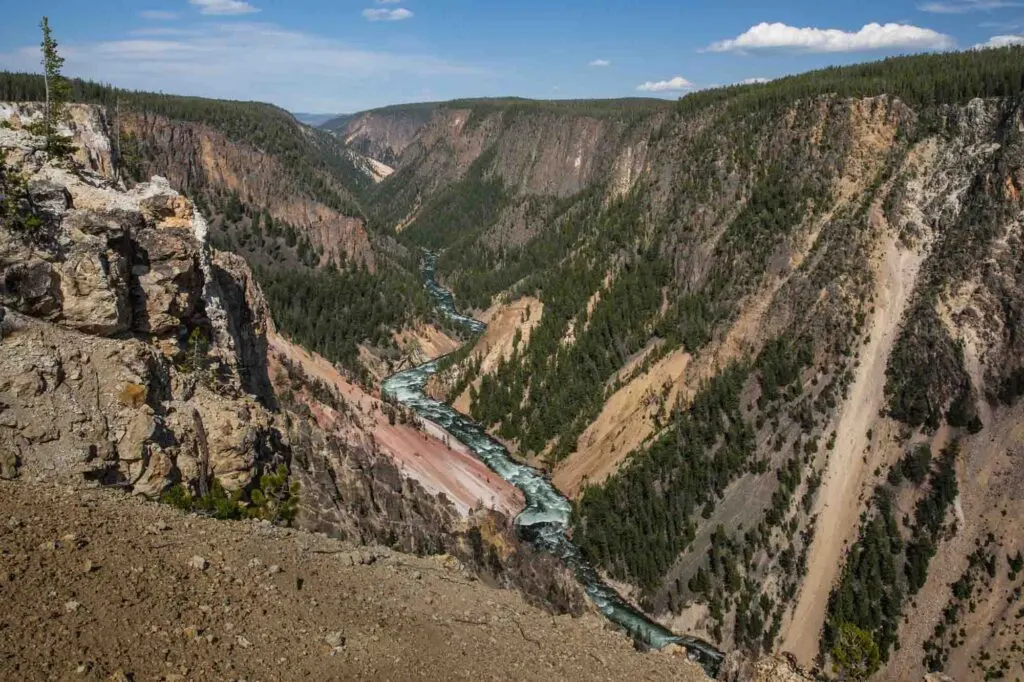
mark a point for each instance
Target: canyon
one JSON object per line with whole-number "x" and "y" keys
{"x": 137, "y": 358}
{"x": 800, "y": 257}
{"x": 756, "y": 351}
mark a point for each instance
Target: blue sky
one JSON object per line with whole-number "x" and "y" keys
{"x": 348, "y": 55}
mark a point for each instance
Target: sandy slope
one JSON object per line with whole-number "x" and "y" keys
{"x": 438, "y": 463}
{"x": 853, "y": 460}
{"x": 425, "y": 343}
{"x": 503, "y": 320}
{"x": 990, "y": 461}
{"x": 625, "y": 421}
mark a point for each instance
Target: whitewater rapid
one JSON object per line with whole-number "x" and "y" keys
{"x": 545, "y": 520}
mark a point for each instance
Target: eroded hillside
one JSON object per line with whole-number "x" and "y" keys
{"x": 758, "y": 307}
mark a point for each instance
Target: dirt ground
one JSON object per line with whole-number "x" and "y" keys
{"x": 99, "y": 586}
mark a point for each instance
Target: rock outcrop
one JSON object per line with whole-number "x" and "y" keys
{"x": 106, "y": 371}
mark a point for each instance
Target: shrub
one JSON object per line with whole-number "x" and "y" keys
{"x": 217, "y": 503}
{"x": 197, "y": 352}
{"x": 915, "y": 465}
{"x": 274, "y": 499}
{"x": 177, "y": 496}
{"x": 15, "y": 208}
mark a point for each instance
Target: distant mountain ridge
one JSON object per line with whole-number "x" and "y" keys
{"x": 314, "y": 120}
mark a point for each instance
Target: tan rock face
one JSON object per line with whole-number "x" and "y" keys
{"x": 76, "y": 402}
{"x": 94, "y": 288}
{"x": 95, "y": 278}
{"x": 167, "y": 279}
{"x": 86, "y": 124}
{"x": 119, "y": 412}
{"x": 228, "y": 437}
{"x": 121, "y": 262}
{"x": 168, "y": 210}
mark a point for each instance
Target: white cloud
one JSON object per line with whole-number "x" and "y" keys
{"x": 766, "y": 36}
{"x": 671, "y": 85}
{"x": 387, "y": 14}
{"x": 965, "y": 6}
{"x": 298, "y": 70}
{"x": 754, "y": 81}
{"x": 158, "y": 15}
{"x": 223, "y": 7}
{"x": 1000, "y": 41}
{"x": 600, "y": 62}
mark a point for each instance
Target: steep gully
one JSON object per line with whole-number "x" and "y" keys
{"x": 545, "y": 520}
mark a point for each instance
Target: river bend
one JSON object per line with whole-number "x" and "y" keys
{"x": 545, "y": 520}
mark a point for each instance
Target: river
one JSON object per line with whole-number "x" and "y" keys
{"x": 545, "y": 520}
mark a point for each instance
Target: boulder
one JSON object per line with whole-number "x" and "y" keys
{"x": 8, "y": 463}
{"x": 113, "y": 226}
{"x": 31, "y": 287}
{"x": 153, "y": 475}
{"x": 95, "y": 292}
{"x": 167, "y": 208}
{"x": 234, "y": 435}
{"x": 168, "y": 282}
{"x": 49, "y": 197}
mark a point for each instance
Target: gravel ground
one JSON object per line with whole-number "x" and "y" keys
{"x": 98, "y": 586}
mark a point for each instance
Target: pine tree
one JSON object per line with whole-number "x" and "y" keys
{"x": 58, "y": 92}
{"x": 855, "y": 655}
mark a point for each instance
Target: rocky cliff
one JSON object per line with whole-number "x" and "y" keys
{"x": 385, "y": 133}
{"x": 104, "y": 289}
{"x": 286, "y": 197}
{"x": 138, "y": 357}
{"x": 510, "y": 156}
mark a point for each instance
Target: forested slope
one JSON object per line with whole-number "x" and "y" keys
{"x": 756, "y": 302}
